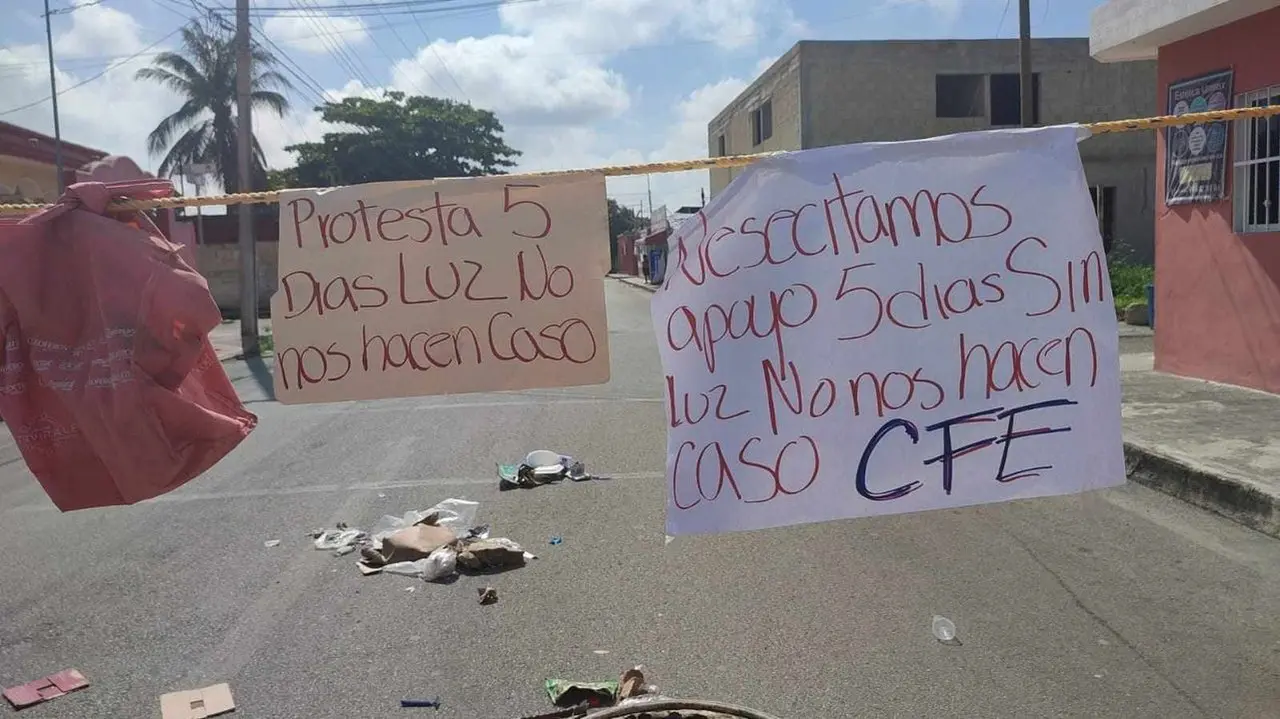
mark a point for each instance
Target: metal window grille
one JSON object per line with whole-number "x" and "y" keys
{"x": 1256, "y": 186}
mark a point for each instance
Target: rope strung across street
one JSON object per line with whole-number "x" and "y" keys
{"x": 704, "y": 163}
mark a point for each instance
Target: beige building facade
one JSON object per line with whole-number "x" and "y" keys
{"x": 823, "y": 93}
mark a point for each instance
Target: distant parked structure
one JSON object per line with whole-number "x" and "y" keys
{"x": 833, "y": 93}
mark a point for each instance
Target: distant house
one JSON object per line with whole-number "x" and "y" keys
{"x": 1217, "y": 222}
{"x": 29, "y": 175}
{"x": 28, "y": 164}
{"x": 832, "y": 93}
{"x": 653, "y": 242}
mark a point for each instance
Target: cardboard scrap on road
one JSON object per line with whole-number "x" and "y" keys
{"x": 44, "y": 689}
{"x": 197, "y": 703}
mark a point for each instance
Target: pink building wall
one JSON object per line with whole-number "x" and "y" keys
{"x": 1218, "y": 291}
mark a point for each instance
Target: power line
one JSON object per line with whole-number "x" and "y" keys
{"x": 336, "y": 48}
{"x": 1003, "y": 14}
{"x": 333, "y": 33}
{"x": 410, "y": 53}
{"x": 411, "y": 7}
{"x": 342, "y": 7}
{"x": 443, "y": 64}
{"x": 90, "y": 79}
{"x": 73, "y": 8}
{"x": 292, "y": 67}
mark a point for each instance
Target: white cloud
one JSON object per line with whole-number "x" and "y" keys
{"x": 83, "y": 110}
{"x": 315, "y": 31}
{"x": 547, "y": 75}
{"x": 685, "y": 138}
{"x": 599, "y": 27}
{"x": 514, "y": 77}
{"x": 550, "y": 68}
{"x": 302, "y": 124}
{"x": 98, "y": 30}
{"x": 548, "y": 81}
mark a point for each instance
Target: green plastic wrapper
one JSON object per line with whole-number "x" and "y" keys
{"x": 566, "y": 693}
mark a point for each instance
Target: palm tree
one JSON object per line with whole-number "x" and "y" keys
{"x": 203, "y": 130}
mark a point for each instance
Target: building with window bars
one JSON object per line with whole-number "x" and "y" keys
{"x": 832, "y": 93}
{"x": 1217, "y": 222}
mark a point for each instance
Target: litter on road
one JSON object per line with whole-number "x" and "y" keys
{"x": 492, "y": 555}
{"x": 542, "y": 466}
{"x": 430, "y": 544}
{"x": 197, "y": 703}
{"x": 630, "y": 687}
{"x": 45, "y": 688}
{"x": 568, "y": 693}
{"x": 944, "y": 630}
{"x": 488, "y": 595}
{"x": 420, "y": 703}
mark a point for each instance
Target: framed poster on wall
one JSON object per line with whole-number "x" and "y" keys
{"x": 1195, "y": 158}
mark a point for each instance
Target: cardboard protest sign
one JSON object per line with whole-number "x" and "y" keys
{"x": 415, "y": 288}
{"x": 885, "y": 328}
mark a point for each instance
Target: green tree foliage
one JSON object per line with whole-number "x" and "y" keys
{"x": 283, "y": 179}
{"x": 623, "y": 220}
{"x": 400, "y": 137}
{"x": 203, "y": 129}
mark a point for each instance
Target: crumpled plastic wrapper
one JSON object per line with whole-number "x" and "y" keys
{"x": 340, "y": 541}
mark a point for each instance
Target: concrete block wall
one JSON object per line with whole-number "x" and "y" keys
{"x": 878, "y": 91}
{"x": 220, "y": 264}
{"x": 780, "y": 85}
{"x": 1134, "y": 181}
{"x": 883, "y": 91}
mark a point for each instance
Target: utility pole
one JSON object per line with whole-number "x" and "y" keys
{"x": 649, "y": 187}
{"x": 1027, "y": 87}
{"x": 244, "y": 161}
{"x": 53, "y": 95}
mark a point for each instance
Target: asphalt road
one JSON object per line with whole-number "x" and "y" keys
{"x": 1119, "y": 604}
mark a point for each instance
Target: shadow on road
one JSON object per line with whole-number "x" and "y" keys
{"x": 260, "y": 371}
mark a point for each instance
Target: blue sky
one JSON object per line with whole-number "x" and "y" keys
{"x": 577, "y": 83}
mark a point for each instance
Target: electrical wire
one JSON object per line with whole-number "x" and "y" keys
{"x": 448, "y": 71}
{"x": 73, "y": 8}
{"x": 431, "y": 7}
{"x": 341, "y": 7}
{"x": 333, "y": 33}
{"x": 90, "y": 79}
{"x": 410, "y": 53}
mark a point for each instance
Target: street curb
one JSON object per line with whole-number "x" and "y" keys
{"x": 637, "y": 283}
{"x": 1230, "y": 497}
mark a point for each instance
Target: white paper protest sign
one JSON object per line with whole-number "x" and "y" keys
{"x": 885, "y": 328}
{"x": 400, "y": 289}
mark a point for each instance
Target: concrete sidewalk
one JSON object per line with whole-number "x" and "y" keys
{"x": 1215, "y": 446}
{"x": 226, "y": 338}
{"x": 634, "y": 282}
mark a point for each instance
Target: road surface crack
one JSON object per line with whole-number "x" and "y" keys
{"x": 1075, "y": 598}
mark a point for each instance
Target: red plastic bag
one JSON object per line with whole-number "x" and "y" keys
{"x": 108, "y": 381}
